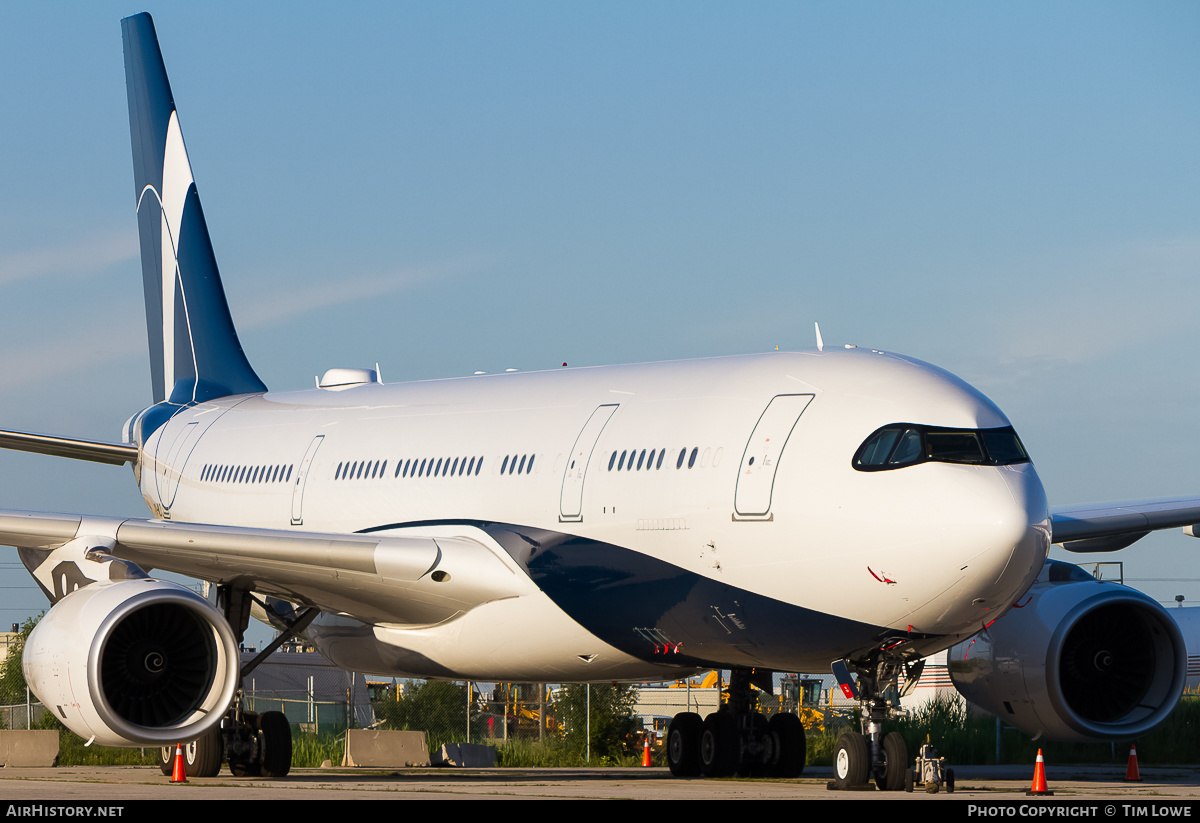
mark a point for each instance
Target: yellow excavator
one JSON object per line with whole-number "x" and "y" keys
{"x": 799, "y": 695}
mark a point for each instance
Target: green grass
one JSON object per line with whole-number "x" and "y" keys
{"x": 958, "y": 736}
{"x": 964, "y": 738}
{"x": 531, "y": 754}
{"x": 309, "y": 751}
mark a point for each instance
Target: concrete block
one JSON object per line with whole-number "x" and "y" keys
{"x": 385, "y": 750}
{"x": 28, "y": 749}
{"x": 470, "y": 755}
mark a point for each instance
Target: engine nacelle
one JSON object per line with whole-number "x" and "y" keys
{"x": 1081, "y": 660}
{"x": 133, "y": 662}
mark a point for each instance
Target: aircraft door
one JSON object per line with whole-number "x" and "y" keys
{"x": 168, "y": 471}
{"x": 570, "y": 504}
{"x": 171, "y": 455}
{"x": 301, "y": 477}
{"x": 756, "y": 474}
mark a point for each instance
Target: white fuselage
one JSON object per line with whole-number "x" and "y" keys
{"x": 784, "y": 558}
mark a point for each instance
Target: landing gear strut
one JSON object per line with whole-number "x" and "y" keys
{"x": 737, "y": 738}
{"x": 872, "y": 755}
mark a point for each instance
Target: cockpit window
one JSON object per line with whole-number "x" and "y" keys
{"x": 902, "y": 444}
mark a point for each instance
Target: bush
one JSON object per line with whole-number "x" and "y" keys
{"x": 436, "y": 707}
{"x": 614, "y": 730}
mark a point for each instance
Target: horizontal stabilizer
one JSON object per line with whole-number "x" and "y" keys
{"x": 115, "y": 454}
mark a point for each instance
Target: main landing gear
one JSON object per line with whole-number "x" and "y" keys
{"x": 874, "y": 756}
{"x": 254, "y": 745}
{"x": 737, "y": 738}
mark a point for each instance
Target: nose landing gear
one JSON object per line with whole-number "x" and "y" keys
{"x": 883, "y": 758}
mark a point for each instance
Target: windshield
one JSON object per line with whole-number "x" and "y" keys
{"x": 904, "y": 444}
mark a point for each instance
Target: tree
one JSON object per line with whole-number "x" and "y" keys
{"x": 436, "y": 707}
{"x": 12, "y": 678}
{"x": 613, "y": 727}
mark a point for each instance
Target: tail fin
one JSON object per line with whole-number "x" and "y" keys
{"x": 194, "y": 349}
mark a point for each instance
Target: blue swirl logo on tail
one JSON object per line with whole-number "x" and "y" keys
{"x": 195, "y": 354}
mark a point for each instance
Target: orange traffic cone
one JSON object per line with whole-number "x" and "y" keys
{"x": 646, "y": 752}
{"x": 178, "y": 774}
{"x": 1039, "y": 778}
{"x": 1132, "y": 775}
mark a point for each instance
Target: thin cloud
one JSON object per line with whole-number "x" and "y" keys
{"x": 1106, "y": 301}
{"x": 88, "y": 256}
{"x": 61, "y": 355}
{"x": 265, "y": 310}
{"x": 66, "y": 355}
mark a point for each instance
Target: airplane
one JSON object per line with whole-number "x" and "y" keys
{"x": 841, "y": 508}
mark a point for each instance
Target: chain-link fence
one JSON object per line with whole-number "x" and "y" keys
{"x": 577, "y": 722}
{"x": 586, "y": 721}
{"x": 581, "y": 721}
{"x": 312, "y": 693}
{"x": 23, "y": 713}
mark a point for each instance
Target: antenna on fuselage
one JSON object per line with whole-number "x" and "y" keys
{"x": 820, "y": 342}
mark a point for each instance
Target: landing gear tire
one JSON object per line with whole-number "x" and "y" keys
{"x": 949, "y": 781}
{"x": 718, "y": 745}
{"x": 683, "y": 744}
{"x": 790, "y": 745}
{"x": 895, "y": 756}
{"x": 851, "y": 760}
{"x": 166, "y": 760}
{"x": 201, "y": 757}
{"x": 245, "y": 769}
{"x": 277, "y": 744}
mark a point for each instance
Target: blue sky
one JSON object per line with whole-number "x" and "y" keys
{"x": 1010, "y": 191}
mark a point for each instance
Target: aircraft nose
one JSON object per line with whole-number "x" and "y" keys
{"x": 993, "y": 533}
{"x": 1015, "y": 541}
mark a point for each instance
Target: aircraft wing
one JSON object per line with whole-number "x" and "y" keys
{"x": 380, "y": 578}
{"x": 1109, "y": 527}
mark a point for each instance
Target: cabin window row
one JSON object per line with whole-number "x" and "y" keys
{"x": 221, "y": 473}
{"x": 630, "y": 460}
{"x": 410, "y": 467}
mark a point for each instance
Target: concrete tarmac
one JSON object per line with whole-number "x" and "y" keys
{"x": 21, "y": 787}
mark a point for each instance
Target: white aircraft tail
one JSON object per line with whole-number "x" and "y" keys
{"x": 194, "y": 349}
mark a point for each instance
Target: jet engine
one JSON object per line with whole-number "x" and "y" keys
{"x": 133, "y": 662}
{"x": 1079, "y": 660}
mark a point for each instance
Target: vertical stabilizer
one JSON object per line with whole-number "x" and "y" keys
{"x": 194, "y": 349}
